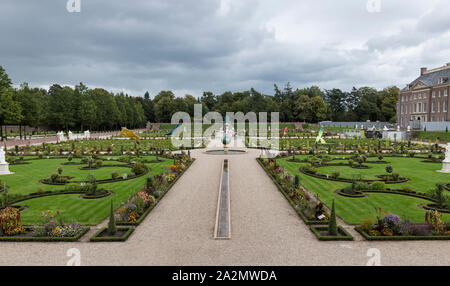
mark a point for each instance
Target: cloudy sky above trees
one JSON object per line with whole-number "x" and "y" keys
{"x": 191, "y": 46}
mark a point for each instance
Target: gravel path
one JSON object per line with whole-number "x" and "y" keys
{"x": 265, "y": 230}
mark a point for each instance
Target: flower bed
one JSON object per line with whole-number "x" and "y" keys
{"x": 30, "y": 230}
{"x": 54, "y": 229}
{"x": 401, "y": 237}
{"x": 137, "y": 209}
{"x": 389, "y": 226}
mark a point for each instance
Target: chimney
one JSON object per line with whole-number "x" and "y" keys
{"x": 423, "y": 70}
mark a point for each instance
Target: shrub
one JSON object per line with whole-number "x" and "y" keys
{"x": 73, "y": 187}
{"x": 60, "y": 170}
{"x": 361, "y": 186}
{"x": 389, "y": 169}
{"x": 379, "y": 186}
{"x": 112, "y": 229}
{"x": 332, "y": 225}
{"x": 367, "y": 224}
{"x": 139, "y": 168}
{"x": 10, "y": 223}
{"x": 335, "y": 174}
{"x": 114, "y": 175}
{"x": 297, "y": 181}
{"x": 392, "y": 220}
{"x": 98, "y": 163}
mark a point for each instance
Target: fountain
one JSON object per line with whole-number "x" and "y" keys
{"x": 227, "y": 137}
{"x": 4, "y": 166}
{"x": 446, "y": 161}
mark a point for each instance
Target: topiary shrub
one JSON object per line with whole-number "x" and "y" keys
{"x": 332, "y": 225}
{"x": 112, "y": 229}
{"x": 139, "y": 168}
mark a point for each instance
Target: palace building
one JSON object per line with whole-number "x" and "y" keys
{"x": 426, "y": 98}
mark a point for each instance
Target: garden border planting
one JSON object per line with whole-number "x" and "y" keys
{"x": 398, "y": 238}
{"x": 44, "y": 238}
{"x": 148, "y": 210}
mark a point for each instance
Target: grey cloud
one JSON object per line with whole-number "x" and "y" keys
{"x": 191, "y": 46}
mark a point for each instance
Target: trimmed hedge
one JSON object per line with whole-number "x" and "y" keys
{"x": 105, "y": 194}
{"x": 96, "y": 238}
{"x": 147, "y": 211}
{"x": 401, "y": 237}
{"x": 346, "y": 180}
{"x": 345, "y": 235}
{"x": 44, "y": 238}
{"x": 359, "y": 194}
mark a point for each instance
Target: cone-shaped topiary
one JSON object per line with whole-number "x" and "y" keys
{"x": 332, "y": 226}
{"x": 112, "y": 221}
{"x": 297, "y": 181}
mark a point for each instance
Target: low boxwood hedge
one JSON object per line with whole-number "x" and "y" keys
{"x": 97, "y": 238}
{"x": 44, "y": 238}
{"x": 345, "y": 235}
{"x": 401, "y": 237}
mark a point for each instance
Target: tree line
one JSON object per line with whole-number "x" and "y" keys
{"x": 81, "y": 108}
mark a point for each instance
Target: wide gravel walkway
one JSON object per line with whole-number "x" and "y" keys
{"x": 265, "y": 230}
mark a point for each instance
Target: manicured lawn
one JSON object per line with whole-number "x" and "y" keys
{"x": 433, "y": 135}
{"x": 352, "y": 210}
{"x": 72, "y": 207}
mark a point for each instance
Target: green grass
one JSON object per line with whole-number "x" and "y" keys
{"x": 433, "y": 135}
{"x": 72, "y": 207}
{"x": 353, "y": 210}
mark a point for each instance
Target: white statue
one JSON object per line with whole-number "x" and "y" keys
{"x": 446, "y": 161}
{"x": 447, "y": 153}
{"x": 87, "y": 134}
{"x": 2, "y": 156}
{"x": 408, "y": 128}
{"x": 398, "y": 127}
{"x": 4, "y": 166}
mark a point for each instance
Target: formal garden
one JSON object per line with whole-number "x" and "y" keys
{"x": 57, "y": 191}
{"x": 388, "y": 190}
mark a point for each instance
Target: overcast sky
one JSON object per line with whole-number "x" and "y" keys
{"x": 191, "y": 46}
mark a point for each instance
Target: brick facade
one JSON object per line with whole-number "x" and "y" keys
{"x": 426, "y": 98}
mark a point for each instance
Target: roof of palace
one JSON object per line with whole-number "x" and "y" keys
{"x": 431, "y": 77}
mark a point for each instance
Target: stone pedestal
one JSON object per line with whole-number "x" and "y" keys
{"x": 445, "y": 167}
{"x": 4, "y": 169}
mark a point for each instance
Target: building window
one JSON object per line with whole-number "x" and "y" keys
{"x": 445, "y": 92}
{"x": 438, "y": 107}
{"x": 433, "y": 109}
{"x": 434, "y": 94}
{"x": 415, "y": 96}
{"x": 424, "y": 95}
{"x": 420, "y": 107}
{"x": 415, "y": 107}
{"x": 425, "y": 107}
{"x": 420, "y": 96}
{"x": 439, "y": 93}
{"x": 445, "y": 106}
